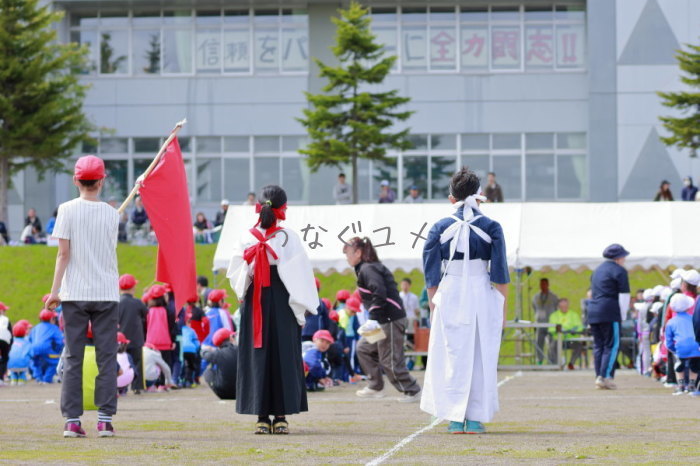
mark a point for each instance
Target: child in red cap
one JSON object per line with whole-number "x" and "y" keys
{"x": 86, "y": 274}
{"x": 319, "y": 367}
{"x": 223, "y": 364}
{"x": 132, "y": 322}
{"x": 46, "y": 341}
{"x": 20, "y": 354}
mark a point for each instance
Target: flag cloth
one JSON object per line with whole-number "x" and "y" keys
{"x": 167, "y": 202}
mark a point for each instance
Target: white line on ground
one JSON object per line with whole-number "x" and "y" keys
{"x": 432, "y": 425}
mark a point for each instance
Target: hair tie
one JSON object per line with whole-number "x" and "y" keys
{"x": 268, "y": 202}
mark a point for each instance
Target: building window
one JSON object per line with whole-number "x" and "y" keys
{"x": 483, "y": 39}
{"x": 185, "y": 41}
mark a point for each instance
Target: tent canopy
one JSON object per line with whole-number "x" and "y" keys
{"x": 538, "y": 235}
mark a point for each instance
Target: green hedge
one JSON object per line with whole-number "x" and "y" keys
{"x": 27, "y": 273}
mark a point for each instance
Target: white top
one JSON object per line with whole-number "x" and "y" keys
{"x": 293, "y": 267}
{"x": 5, "y": 334}
{"x": 92, "y": 229}
{"x": 410, "y": 303}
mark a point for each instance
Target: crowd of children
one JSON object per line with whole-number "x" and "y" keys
{"x": 668, "y": 332}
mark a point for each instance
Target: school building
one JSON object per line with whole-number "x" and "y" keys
{"x": 558, "y": 98}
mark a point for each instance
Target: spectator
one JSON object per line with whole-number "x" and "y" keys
{"x": 568, "y": 323}
{"x": 544, "y": 304}
{"x": 4, "y": 236}
{"x": 221, "y": 215}
{"x": 342, "y": 192}
{"x": 414, "y": 196}
{"x": 30, "y": 235}
{"x": 386, "y": 194}
{"x": 250, "y": 200}
{"x": 223, "y": 364}
{"x": 52, "y": 222}
{"x": 203, "y": 290}
{"x": 202, "y": 228}
{"x": 689, "y": 190}
{"x": 33, "y": 220}
{"x": 410, "y": 305}
{"x": 493, "y": 191}
{"x": 138, "y": 227}
{"x": 122, "y": 235}
{"x": 664, "y": 193}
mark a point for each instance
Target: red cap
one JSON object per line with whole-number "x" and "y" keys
{"x": 46, "y": 315}
{"x": 4, "y": 307}
{"x": 221, "y": 336}
{"x": 20, "y": 328}
{"x": 324, "y": 335}
{"x": 121, "y": 338}
{"x": 127, "y": 282}
{"x": 157, "y": 291}
{"x": 318, "y": 283}
{"x": 334, "y": 316}
{"x": 193, "y": 299}
{"x": 327, "y": 302}
{"x": 353, "y": 304}
{"x": 342, "y": 295}
{"x": 146, "y": 295}
{"x": 89, "y": 168}
{"x": 217, "y": 295}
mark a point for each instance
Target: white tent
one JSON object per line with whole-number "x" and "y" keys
{"x": 539, "y": 235}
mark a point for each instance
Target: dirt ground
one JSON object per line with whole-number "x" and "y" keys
{"x": 545, "y": 418}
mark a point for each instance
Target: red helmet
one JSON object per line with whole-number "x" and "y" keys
{"x": 20, "y": 329}
{"x": 127, "y": 282}
{"x": 45, "y": 315}
{"x": 216, "y": 296}
{"x": 327, "y": 303}
{"x": 324, "y": 335}
{"x": 342, "y": 295}
{"x": 121, "y": 338}
{"x": 157, "y": 291}
{"x": 353, "y": 304}
{"x": 334, "y": 316}
{"x": 221, "y": 335}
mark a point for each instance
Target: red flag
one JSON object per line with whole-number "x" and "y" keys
{"x": 167, "y": 202}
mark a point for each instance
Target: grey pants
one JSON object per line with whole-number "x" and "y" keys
{"x": 104, "y": 316}
{"x": 387, "y": 356}
{"x": 540, "y": 349}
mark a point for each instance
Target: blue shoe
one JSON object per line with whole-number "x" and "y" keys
{"x": 696, "y": 393}
{"x": 456, "y": 428}
{"x": 474, "y": 427}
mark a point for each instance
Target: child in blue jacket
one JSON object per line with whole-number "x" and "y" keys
{"x": 20, "y": 354}
{"x": 47, "y": 343}
{"x": 190, "y": 349}
{"x": 315, "y": 359}
{"x": 680, "y": 340}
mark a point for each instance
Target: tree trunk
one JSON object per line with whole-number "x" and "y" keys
{"x": 4, "y": 189}
{"x": 354, "y": 179}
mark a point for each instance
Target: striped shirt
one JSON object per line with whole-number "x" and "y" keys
{"x": 92, "y": 229}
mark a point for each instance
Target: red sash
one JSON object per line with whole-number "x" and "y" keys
{"x": 261, "y": 276}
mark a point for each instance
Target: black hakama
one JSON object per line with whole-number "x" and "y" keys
{"x": 271, "y": 378}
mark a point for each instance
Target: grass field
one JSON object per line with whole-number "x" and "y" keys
{"x": 27, "y": 273}
{"x": 545, "y": 418}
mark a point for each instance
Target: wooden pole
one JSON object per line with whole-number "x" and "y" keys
{"x": 153, "y": 164}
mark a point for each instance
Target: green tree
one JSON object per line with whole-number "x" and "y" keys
{"x": 348, "y": 121}
{"x": 685, "y": 132}
{"x": 108, "y": 64}
{"x": 41, "y": 98}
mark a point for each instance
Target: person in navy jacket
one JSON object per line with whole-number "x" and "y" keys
{"x": 610, "y": 301}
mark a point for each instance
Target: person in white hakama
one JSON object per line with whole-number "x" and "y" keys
{"x": 463, "y": 255}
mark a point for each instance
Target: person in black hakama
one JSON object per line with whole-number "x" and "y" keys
{"x": 271, "y": 272}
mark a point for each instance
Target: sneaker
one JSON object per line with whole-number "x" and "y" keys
{"x": 20, "y": 383}
{"x": 570, "y": 366}
{"x": 105, "y": 429}
{"x": 696, "y": 393}
{"x": 670, "y": 384}
{"x": 406, "y": 398}
{"x": 456, "y": 427}
{"x": 137, "y": 392}
{"x": 474, "y": 427}
{"x": 599, "y": 383}
{"x": 680, "y": 390}
{"x": 13, "y": 383}
{"x": 73, "y": 430}
{"x": 609, "y": 384}
{"x": 369, "y": 393}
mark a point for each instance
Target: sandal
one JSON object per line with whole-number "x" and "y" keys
{"x": 263, "y": 428}
{"x": 280, "y": 427}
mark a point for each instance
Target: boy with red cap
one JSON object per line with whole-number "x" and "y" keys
{"x": 46, "y": 341}
{"x": 20, "y": 354}
{"x": 86, "y": 274}
{"x": 223, "y": 364}
{"x": 217, "y": 316}
{"x": 5, "y": 341}
{"x": 315, "y": 358}
{"x": 132, "y": 323}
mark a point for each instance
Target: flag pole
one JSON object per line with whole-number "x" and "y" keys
{"x": 153, "y": 164}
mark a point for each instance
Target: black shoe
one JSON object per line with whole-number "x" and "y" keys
{"x": 137, "y": 392}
